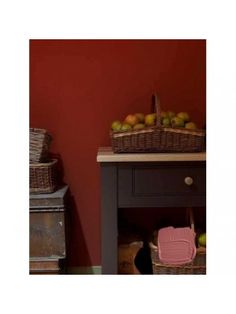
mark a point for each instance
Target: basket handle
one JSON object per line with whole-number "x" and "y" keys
{"x": 191, "y": 218}
{"x": 156, "y": 107}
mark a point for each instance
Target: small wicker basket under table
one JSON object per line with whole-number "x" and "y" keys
{"x": 43, "y": 177}
{"x": 196, "y": 267}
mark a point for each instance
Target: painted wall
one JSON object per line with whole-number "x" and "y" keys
{"x": 78, "y": 87}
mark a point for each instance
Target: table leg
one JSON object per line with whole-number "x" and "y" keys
{"x": 109, "y": 218}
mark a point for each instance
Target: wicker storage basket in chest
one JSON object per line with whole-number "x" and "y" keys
{"x": 43, "y": 171}
{"x": 158, "y": 138}
{"x": 43, "y": 177}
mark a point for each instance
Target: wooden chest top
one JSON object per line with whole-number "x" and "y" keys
{"x": 52, "y": 200}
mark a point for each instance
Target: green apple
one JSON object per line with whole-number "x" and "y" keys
{"x": 140, "y": 117}
{"x": 184, "y": 116}
{"x": 177, "y": 122}
{"x": 190, "y": 125}
{"x": 166, "y": 122}
{"x": 125, "y": 127}
{"x": 116, "y": 125}
{"x": 164, "y": 115}
{"x": 202, "y": 239}
{"x": 139, "y": 126}
{"x": 170, "y": 114}
{"x": 150, "y": 119}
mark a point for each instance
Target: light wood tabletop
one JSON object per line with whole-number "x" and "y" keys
{"x": 105, "y": 154}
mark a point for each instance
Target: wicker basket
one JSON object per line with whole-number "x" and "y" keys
{"x": 196, "y": 267}
{"x": 43, "y": 177}
{"x": 39, "y": 145}
{"x": 158, "y": 138}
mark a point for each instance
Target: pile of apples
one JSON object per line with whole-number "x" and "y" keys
{"x": 138, "y": 121}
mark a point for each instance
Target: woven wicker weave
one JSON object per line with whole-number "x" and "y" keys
{"x": 197, "y": 267}
{"x": 39, "y": 145}
{"x": 43, "y": 177}
{"x": 158, "y": 138}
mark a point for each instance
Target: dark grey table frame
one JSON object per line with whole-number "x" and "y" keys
{"x": 115, "y": 195}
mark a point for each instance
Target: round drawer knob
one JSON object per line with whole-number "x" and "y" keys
{"x": 188, "y": 181}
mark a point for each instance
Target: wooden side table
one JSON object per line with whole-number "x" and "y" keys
{"x": 146, "y": 180}
{"x": 48, "y": 229}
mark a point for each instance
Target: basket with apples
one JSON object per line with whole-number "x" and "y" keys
{"x": 157, "y": 132}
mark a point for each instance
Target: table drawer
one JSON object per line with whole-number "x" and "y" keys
{"x": 162, "y": 185}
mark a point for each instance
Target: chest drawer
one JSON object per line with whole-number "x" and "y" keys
{"x": 162, "y": 185}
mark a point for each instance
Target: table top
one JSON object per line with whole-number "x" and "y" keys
{"x": 105, "y": 154}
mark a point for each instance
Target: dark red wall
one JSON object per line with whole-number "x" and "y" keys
{"x": 78, "y": 87}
